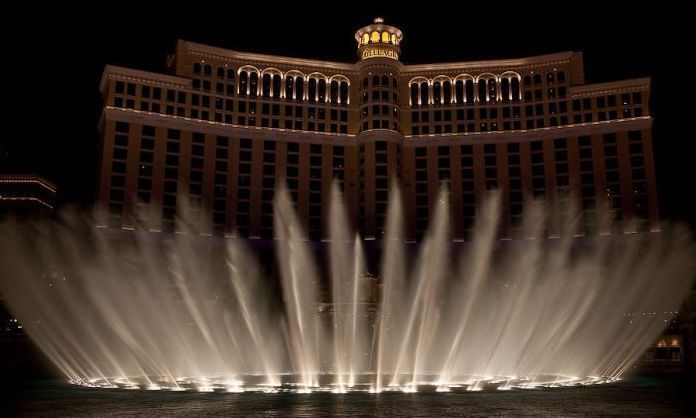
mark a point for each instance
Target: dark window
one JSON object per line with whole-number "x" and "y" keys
{"x": 122, "y": 127}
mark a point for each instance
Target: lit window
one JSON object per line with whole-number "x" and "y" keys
{"x": 393, "y": 38}
{"x": 375, "y": 36}
{"x": 365, "y": 38}
{"x": 385, "y": 37}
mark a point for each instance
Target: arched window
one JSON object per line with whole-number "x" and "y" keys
{"x": 516, "y": 89}
{"x": 243, "y": 83}
{"x": 492, "y": 90}
{"x": 344, "y": 92}
{"x": 220, "y": 72}
{"x": 469, "y": 91}
{"x": 394, "y": 82}
{"x": 459, "y": 91}
{"x": 447, "y": 92}
{"x": 266, "y": 85}
{"x": 385, "y": 37}
{"x": 424, "y": 99}
{"x": 197, "y": 68}
{"x": 414, "y": 94}
{"x": 230, "y": 74}
{"x": 207, "y": 70}
{"x": 365, "y": 82}
{"x": 482, "y": 90}
{"x": 289, "y": 87}
{"x": 560, "y": 76}
{"x": 299, "y": 88}
{"x": 375, "y": 80}
{"x": 505, "y": 89}
{"x": 393, "y": 38}
{"x": 527, "y": 80}
{"x": 385, "y": 81}
{"x": 437, "y": 93}
{"x": 276, "y": 86}
{"x": 312, "y": 90}
{"x": 322, "y": 90}
{"x": 537, "y": 80}
{"x": 374, "y": 37}
{"x": 334, "y": 92}
{"x": 253, "y": 84}
{"x": 550, "y": 78}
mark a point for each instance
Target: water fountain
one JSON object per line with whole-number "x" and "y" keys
{"x": 174, "y": 312}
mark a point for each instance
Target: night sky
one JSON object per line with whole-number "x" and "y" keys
{"x": 54, "y": 65}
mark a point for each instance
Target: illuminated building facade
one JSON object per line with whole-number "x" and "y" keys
{"x": 25, "y": 197}
{"x": 220, "y": 132}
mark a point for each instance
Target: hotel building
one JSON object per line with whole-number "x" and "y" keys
{"x": 222, "y": 129}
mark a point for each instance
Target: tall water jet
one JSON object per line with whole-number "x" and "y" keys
{"x": 299, "y": 282}
{"x": 185, "y": 311}
{"x": 393, "y": 275}
{"x": 423, "y": 294}
{"x": 348, "y": 316}
{"x": 253, "y": 302}
{"x": 473, "y": 271}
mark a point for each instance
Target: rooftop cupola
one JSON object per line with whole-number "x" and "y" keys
{"x": 378, "y": 41}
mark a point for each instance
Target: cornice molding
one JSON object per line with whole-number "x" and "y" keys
{"x": 610, "y": 87}
{"x": 28, "y": 178}
{"x": 123, "y": 73}
{"x": 269, "y": 60}
{"x": 222, "y": 129}
{"x": 491, "y": 65}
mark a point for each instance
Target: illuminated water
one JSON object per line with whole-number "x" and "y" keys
{"x": 616, "y": 400}
{"x": 172, "y": 313}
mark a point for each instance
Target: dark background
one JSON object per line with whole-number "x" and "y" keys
{"x": 55, "y": 55}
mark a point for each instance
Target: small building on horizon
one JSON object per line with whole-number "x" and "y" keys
{"x": 26, "y": 197}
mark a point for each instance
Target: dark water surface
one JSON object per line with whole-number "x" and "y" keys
{"x": 636, "y": 398}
